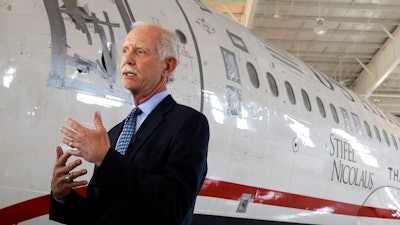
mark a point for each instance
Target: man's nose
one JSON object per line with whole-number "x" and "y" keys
{"x": 129, "y": 58}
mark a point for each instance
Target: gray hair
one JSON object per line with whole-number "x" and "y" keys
{"x": 169, "y": 45}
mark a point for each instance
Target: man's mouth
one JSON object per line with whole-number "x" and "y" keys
{"x": 129, "y": 71}
{"x": 129, "y": 74}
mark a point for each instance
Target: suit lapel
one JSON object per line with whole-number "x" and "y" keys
{"x": 153, "y": 120}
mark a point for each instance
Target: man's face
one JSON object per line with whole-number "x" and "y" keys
{"x": 141, "y": 67}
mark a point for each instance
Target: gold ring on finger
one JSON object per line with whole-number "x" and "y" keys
{"x": 68, "y": 178}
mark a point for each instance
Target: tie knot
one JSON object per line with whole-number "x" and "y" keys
{"x": 135, "y": 112}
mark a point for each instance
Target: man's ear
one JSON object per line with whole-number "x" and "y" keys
{"x": 170, "y": 65}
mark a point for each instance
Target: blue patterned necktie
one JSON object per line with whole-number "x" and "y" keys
{"x": 127, "y": 131}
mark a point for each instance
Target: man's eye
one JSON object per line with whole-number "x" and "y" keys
{"x": 137, "y": 51}
{"x": 140, "y": 51}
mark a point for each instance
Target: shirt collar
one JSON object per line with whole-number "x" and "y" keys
{"x": 152, "y": 102}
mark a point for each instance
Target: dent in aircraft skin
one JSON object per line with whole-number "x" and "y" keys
{"x": 287, "y": 143}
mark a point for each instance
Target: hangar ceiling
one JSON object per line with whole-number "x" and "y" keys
{"x": 360, "y": 49}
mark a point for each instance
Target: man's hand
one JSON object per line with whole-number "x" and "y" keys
{"x": 63, "y": 179}
{"x": 92, "y": 145}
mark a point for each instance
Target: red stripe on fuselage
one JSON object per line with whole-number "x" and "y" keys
{"x": 220, "y": 189}
{"x": 28, "y": 209}
{"x": 233, "y": 191}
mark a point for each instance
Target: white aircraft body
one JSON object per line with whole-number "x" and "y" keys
{"x": 288, "y": 144}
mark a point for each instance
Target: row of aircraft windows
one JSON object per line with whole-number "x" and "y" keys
{"x": 232, "y": 74}
{"x": 346, "y": 120}
{"x": 285, "y": 59}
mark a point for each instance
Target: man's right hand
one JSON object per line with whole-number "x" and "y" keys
{"x": 63, "y": 177}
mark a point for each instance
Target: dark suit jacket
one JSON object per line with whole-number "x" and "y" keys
{"x": 157, "y": 180}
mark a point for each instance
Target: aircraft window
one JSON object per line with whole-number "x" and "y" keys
{"x": 394, "y": 142}
{"x": 253, "y": 75}
{"x": 237, "y": 41}
{"x": 231, "y": 68}
{"x": 346, "y": 118}
{"x": 378, "y": 135}
{"x": 368, "y": 129}
{"x": 272, "y": 84}
{"x": 181, "y": 36}
{"x": 397, "y": 122}
{"x": 334, "y": 113}
{"x": 321, "y": 107}
{"x": 290, "y": 93}
{"x": 306, "y": 100}
{"x": 321, "y": 78}
{"x": 389, "y": 118}
{"x": 357, "y": 124}
{"x": 368, "y": 106}
{"x": 203, "y": 6}
{"x": 234, "y": 101}
{"x": 379, "y": 112}
{"x": 386, "y": 137}
{"x": 345, "y": 92}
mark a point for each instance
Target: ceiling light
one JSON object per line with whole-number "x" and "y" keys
{"x": 320, "y": 28}
{"x": 277, "y": 15}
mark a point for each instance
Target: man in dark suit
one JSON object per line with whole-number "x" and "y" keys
{"x": 156, "y": 178}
